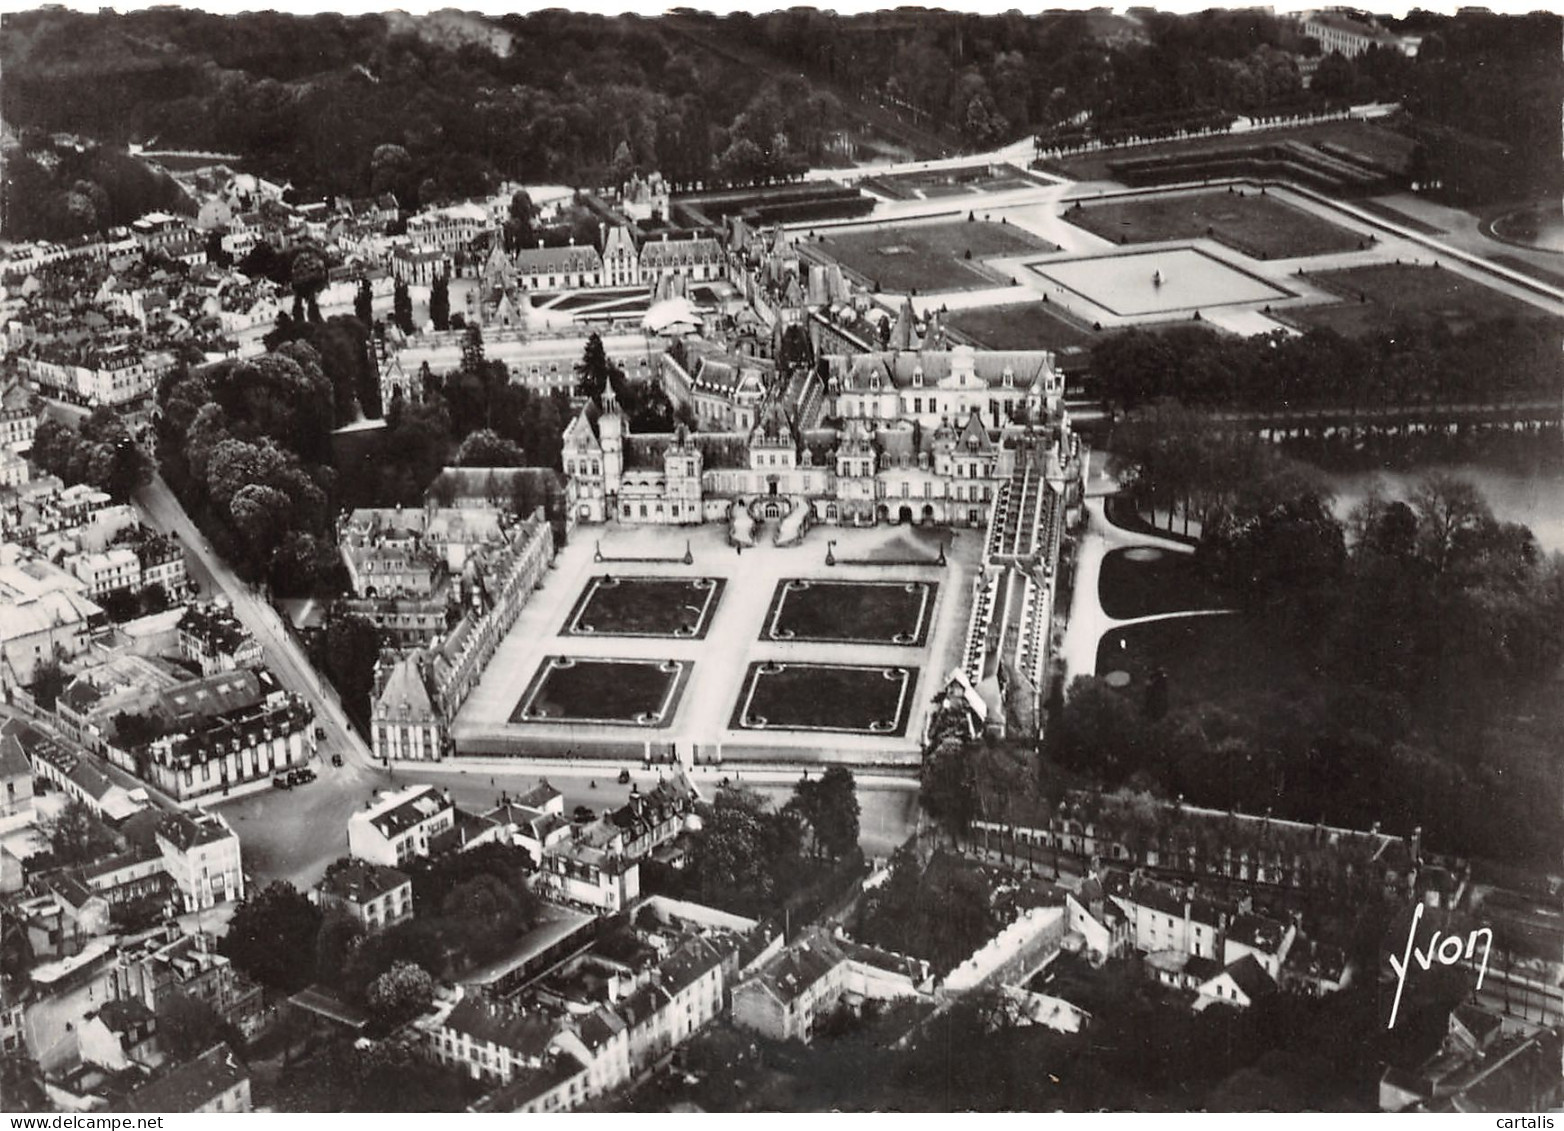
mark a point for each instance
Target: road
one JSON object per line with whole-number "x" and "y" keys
{"x": 293, "y": 834}
{"x": 283, "y": 655}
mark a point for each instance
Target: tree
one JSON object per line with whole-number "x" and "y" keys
{"x": 829, "y": 804}
{"x": 364, "y": 303}
{"x": 272, "y": 936}
{"x": 402, "y": 307}
{"x": 339, "y": 936}
{"x": 76, "y": 836}
{"x": 486, "y": 448}
{"x": 309, "y": 274}
{"x": 518, "y": 231}
{"x": 48, "y": 682}
{"x": 734, "y": 852}
{"x": 440, "y": 304}
{"x": 352, "y": 645}
{"x": 592, "y": 371}
{"x": 400, "y": 994}
{"x": 1447, "y": 508}
{"x": 1100, "y": 731}
{"x": 188, "y": 1026}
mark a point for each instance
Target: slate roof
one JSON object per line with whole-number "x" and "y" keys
{"x": 1258, "y": 932}
{"x": 358, "y": 881}
{"x": 526, "y": 1034}
{"x": 191, "y": 1085}
{"x": 790, "y": 973}
{"x": 1250, "y": 977}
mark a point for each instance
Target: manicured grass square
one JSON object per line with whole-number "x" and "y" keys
{"x": 930, "y": 257}
{"x": 1020, "y": 326}
{"x": 680, "y": 607}
{"x": 826, "y": 697}
{"x": 1143, "y": 581}
{"x": 851, "y": 612}
{"x": 1209, "y": 659}
{"x": 1262, "y": 227}
{"x": 615, "y": 692}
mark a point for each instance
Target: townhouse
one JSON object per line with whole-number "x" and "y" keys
{"x": 372, "y": 895}
{"x": 398, "y": 827}
{"x": 201, "y": 855}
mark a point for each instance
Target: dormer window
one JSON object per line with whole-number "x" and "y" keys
{"x": 1010, "y": 378}
{"x": 917, "y": 378}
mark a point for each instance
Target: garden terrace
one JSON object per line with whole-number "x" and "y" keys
{"x": 1321, "y": 153}
{"x": 1379, "y": 296}
{"x": 1260, "y": 226}
{"x": 645, "y": 606}
{"x": 1133, "y": 284}
{"x": 851, "y": 612}
{"x": 761, "y": 207}
{"x": 642, "y": 693}
{"x": 825, "y": 697}
{"x": 1020, "y": 326}
{"x": 929, "y": 258}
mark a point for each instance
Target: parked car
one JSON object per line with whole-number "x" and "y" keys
{"x": 624, "y": 777}
{"x": 320, "y": 732}
{"x": 301, "y": 775}
{"x": 282, "y": 781}
{"x": 582, "y": 815}
{"x": 336, "y": 759}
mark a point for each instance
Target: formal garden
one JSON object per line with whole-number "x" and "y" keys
{"x": 846, "y": 698}
{"x": 929, "y": 258}
{"x": 1385, "y": 294}
{"x": 680, "y": 607}
{"x": 630, "y": 692}
{"x": 851, "y": 612}
{"x": 1021, "y": 326}
{"x": 1260, "y": 226}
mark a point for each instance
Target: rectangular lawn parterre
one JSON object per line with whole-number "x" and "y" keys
{"x": 930, "y": 257}
{"x": 569, "y": 689}
{"x": 827, "y": 697}
{"x": 1261, "y": 227}
{"x": 1379, "y": 296}
{"x": 851, "y": 612}
{"x": 680, "y": 607}
{"x": 1020, "y": 326}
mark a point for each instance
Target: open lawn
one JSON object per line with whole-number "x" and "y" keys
{"x": 930, "y": 257}
{"x": 1020, "y": 326}
{"x": 1207, "y": 658}
{"x": 1378, "y": 297}
{"x": 851, "y": 612}
{"x": 645, "y": 606}
{"x": 1143, "y": 581}
{"x": 1261, "y": 227}
{"x": 836, "y": 697}
{"x": 631, "y": 692}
